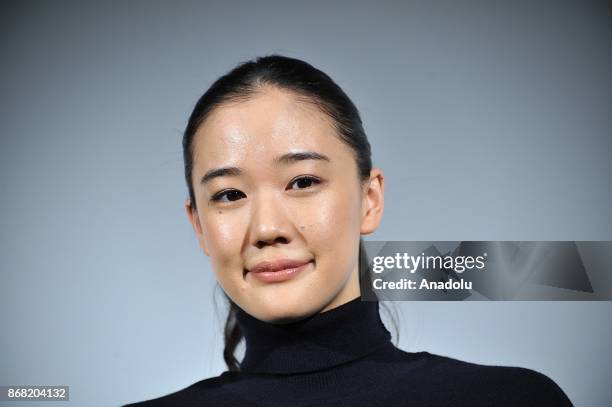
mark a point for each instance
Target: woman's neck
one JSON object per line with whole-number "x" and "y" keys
{"x": 338, "y": 335}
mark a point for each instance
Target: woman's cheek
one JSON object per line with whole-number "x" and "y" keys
{"x": 334, "y": 223}
{"x": 224, "y": 238}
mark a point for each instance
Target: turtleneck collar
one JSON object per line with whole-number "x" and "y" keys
{"x": 342, "y": 334}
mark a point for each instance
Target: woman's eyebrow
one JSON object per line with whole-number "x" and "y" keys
{"x": 220, "y": 172}
{"x": 290, "y": 158}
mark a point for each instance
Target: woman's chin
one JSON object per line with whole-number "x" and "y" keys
{"x": 281, "y": 308}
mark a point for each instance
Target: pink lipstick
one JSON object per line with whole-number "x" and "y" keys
{"x": 278, "y": 270}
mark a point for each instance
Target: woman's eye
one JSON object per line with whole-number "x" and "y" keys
{"x": 229, "y": 195}
{"x": 304, "y": 182}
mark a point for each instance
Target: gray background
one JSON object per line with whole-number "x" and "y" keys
{"x": 491, "y": 121}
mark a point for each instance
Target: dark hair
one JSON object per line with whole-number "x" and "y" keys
{"x": 306, "y": 81}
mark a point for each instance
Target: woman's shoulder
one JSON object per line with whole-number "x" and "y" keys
{"x": 189, "y": 395}
{"x": 423, "y": 378}
{"x": 497, "y": 385}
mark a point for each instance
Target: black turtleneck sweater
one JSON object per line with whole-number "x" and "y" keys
{"x": 344, "y": 357}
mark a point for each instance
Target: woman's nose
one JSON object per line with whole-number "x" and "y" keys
{"x": 269, "y": 221}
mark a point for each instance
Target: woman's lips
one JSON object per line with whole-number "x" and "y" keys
{"x": 277, "y": 271}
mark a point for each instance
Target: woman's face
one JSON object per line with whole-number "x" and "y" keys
{"x": 280, "y": 206}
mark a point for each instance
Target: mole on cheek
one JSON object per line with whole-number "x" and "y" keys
{"x": 220, "y": 212}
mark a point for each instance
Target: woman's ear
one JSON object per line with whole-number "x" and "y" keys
{"x": 373, "y": 202}
{"x": 192, "y": 215}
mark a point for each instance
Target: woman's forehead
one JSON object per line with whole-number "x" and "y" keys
{"x": 270, "y": 123}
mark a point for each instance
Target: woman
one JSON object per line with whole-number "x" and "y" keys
{"x": 281, "y": 188}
